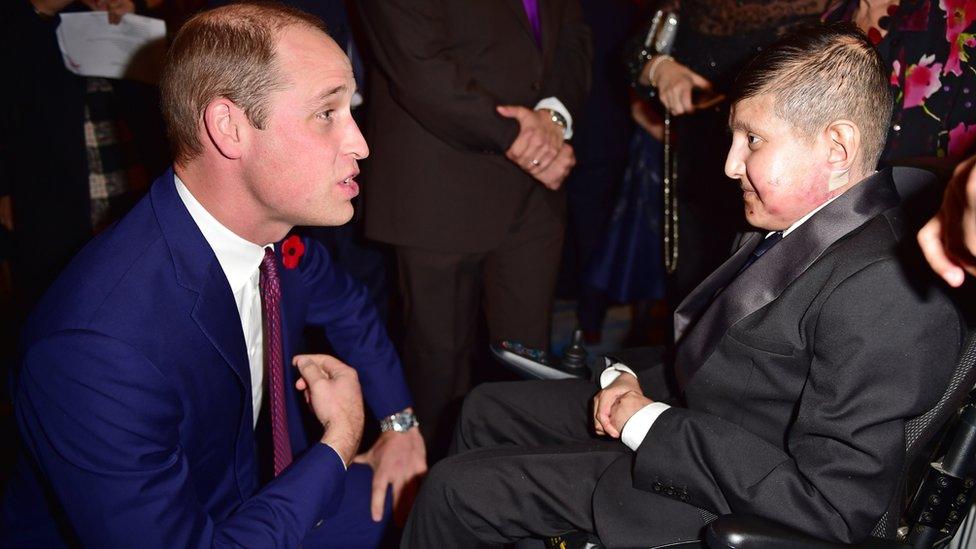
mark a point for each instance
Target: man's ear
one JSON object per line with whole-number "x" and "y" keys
{"x": 844, "y": 148}
{"x": 227, "y": 127}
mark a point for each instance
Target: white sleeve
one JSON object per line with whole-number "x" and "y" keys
{"x": 555, "y": 104}
{"x": 640, "y": 423}
{"x": 612, "y": 372}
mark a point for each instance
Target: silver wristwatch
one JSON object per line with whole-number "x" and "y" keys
{"x": 399, "y": 422}
{"x": 557, "y": 118}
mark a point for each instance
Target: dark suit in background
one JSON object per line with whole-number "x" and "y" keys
{"x": 468, "y": 225}
{"x": 794, "y": 382}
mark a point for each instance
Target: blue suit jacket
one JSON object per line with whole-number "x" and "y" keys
{"x": 134, "y": 402}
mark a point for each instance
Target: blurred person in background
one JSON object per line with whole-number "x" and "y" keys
{"x": 77, "y": 151}
{"x": 471, "y": 104}
{"x": 600, "y": 141}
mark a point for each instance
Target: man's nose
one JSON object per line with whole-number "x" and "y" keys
{"x": 355, "y": 142}
{"x": 734, "y": 166}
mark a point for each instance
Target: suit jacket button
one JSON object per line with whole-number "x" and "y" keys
{"x": 537, "y": 85}
{"x": 669, "y": 491}
{"x": 657, "y": 487}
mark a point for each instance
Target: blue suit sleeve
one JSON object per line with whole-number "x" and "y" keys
{"x": 104, "y": 426}
{"x": 343, "y": 308}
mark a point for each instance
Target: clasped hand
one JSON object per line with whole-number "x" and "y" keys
{"x": 616, "y": 404}
{"x": 539, "y": 148}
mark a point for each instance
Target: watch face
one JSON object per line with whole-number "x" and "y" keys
{"x": 400, "y": 422}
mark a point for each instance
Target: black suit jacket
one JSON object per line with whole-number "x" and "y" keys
{"x": 799, "y": 376}
{"x": 438, "y": 178}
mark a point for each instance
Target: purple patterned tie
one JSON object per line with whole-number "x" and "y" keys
{"x": 532, "y": 10}
{"x": 274, "y": 368}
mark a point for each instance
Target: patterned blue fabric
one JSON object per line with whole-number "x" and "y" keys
{"x": 630, "y": 265}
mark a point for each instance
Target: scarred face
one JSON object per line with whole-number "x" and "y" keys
{"x": 783, "y": 176}
{"x": 301, "y": 166}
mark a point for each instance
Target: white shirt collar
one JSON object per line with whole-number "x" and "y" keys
{"x": 803, "y": 219}
{"x": 239, "y": 258}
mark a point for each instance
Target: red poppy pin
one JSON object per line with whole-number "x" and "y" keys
{"x": 291, "y": 251}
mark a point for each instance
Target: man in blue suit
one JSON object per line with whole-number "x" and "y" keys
{"x": 156, "y": 369}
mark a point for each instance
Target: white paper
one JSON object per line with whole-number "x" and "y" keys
{"x": 133, "y": 49}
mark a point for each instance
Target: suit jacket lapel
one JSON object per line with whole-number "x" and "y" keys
{"x": 217, "y": 316}
{"x": 766, "y": 279}
{"x": 550, "y": 21}
{"x": 519, "y": 9}
{"x": 197, "y": 269}
{"x": 691, "y": 308}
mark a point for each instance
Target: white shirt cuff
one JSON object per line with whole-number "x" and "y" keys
{"x": 346, "y": 467}
{"x": 557, "y": 105}
{"x": 640, "y": 423}
{"x": 612, "y": 372}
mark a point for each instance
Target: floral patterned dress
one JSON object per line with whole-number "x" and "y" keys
{"x": 929, "y": 47}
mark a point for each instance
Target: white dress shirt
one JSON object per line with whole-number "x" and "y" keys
{"x": 241, "y": 262}
{"x": 637, "y": 427}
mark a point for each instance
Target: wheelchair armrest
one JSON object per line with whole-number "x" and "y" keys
{"x": 752, "y": 532}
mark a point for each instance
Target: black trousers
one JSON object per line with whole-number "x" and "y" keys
{"x": 528, "y": 465}
{"x": 445, "y": 292}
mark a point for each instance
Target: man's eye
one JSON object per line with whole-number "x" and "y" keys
{"x": 753, "y": 139}
{"x": 327, "y": 115}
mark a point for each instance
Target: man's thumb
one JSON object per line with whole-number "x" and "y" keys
{"x": 509, "y": 111}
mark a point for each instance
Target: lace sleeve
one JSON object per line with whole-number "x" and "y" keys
{"x": 731, "y": 17}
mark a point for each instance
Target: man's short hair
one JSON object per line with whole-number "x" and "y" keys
{"x": 819, "y": 74}
{"x": 225, "y": 52}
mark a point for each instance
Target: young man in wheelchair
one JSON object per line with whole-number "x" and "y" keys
{"x": 798, "y": 361}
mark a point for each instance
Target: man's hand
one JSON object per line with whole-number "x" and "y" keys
{"x": 400, "y": 460}
{"x": 948, "y": 240}
{"x": 50, "y": 7}
{"x": 537, "y": 144}
{"x": 624, "y": 408}
{"x": 553, "y": 176}
{"x": 332, "y": 390}
{"x": 115, "y": 8}
{"x": 675, "y": 83}
{"x": 605, "y": 400}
